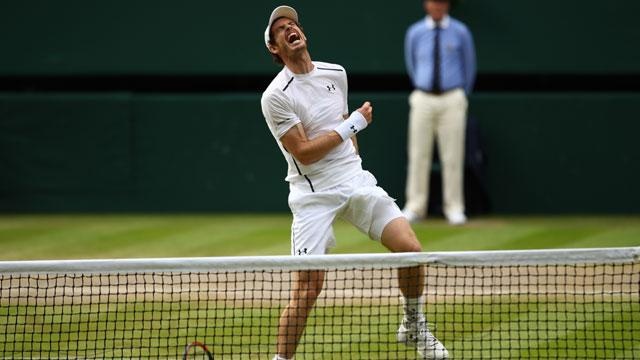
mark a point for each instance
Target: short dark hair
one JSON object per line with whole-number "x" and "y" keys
{"x": 276, "y": 58}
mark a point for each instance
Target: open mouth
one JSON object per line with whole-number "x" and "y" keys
{"x": 293, "y": 38}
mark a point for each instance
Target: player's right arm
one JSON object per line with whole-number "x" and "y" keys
{"x": 309, "y": 151}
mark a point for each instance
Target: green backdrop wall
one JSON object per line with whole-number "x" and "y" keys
{"x": 546, "y": 153}
{"x": 222, "y": 37}
{"x": 550, "y": 152}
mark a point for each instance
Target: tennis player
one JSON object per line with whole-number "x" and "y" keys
{"x": 305, "y": 107}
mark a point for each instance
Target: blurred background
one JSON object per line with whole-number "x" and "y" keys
{"x": 153, "y": 106}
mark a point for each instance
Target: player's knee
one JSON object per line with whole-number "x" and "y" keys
{"x": 409, "y": 240}
{"x": 412, "y": 245}
{"x": 405, "y": 241}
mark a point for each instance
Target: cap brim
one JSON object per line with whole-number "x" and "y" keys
{"x": 280, "y": 11}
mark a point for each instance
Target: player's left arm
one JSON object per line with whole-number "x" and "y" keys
{"x": 345, "y": 115}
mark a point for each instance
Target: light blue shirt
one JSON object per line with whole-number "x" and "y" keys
{"x": 457, "y": 54}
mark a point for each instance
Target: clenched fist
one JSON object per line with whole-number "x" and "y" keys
{"x": 367, "y": 111}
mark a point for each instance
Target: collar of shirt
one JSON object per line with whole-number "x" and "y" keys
{"x": 291, "y": 74}
{"x": 444, "y": 23}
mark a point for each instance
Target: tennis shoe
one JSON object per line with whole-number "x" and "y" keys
{"x": 415, "y": 333}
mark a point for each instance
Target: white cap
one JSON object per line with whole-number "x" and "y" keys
{"x": 280, "y": 11}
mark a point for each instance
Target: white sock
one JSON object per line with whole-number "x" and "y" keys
{"x": 278, "y": 357}
{"x": 413, "y": 306}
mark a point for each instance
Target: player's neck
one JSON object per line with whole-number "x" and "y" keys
{"x": 300, "y": 64}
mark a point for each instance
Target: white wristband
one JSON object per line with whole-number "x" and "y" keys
{"x": 352, "y": 125}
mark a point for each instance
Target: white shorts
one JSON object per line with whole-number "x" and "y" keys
{"x": 359, "y": 201}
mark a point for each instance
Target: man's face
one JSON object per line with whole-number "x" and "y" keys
{"x": 437, "y": 9}
{"x": 288, "y": 37}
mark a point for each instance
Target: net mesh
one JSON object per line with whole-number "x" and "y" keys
{"x": 579, "y": 310}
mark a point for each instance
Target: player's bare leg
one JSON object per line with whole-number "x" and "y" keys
{"x": 307, "y": 288}
{"x": 398, "y": 236}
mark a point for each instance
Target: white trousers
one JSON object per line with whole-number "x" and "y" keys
{"x": 443, "y": 117}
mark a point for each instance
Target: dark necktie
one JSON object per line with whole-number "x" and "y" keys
{"x": 436, "y": 87}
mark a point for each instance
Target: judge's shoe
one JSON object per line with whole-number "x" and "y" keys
{"x": 411, "y": 217}
{"x": 457, "y": 218}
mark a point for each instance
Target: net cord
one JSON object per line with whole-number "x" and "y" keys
{"x": 319, "y": 262}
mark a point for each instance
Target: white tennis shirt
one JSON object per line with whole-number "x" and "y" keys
{"x": 318, "y": 101}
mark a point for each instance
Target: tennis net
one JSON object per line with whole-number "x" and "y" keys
{"x": 538, "y": 304}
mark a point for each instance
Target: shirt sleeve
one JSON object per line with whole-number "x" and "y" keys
{"x": 279, "y": 114}
{"x": 408, "y": 53}
{"x": 469, "y": 54}
{"x": 345, "y": 91}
